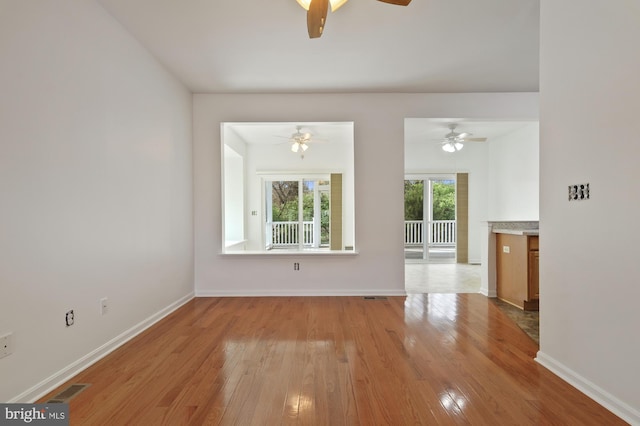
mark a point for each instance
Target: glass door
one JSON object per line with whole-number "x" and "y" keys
{"x": 430, "y": 219}
{"x": 298, "y": 214}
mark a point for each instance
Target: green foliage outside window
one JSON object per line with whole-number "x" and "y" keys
{"x": 413, "y": 199}
{"x": 285, "y": 205}
{"x": 444, "y": 203}
{"x": 285, "y": 201}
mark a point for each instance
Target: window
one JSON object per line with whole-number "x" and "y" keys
{"x": 275, "y": 199}
{"x": 297, "y": 213}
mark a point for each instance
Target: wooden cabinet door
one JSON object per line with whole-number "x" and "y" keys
{"x": 511, "y": 268}
{"x": 534, "y": 280}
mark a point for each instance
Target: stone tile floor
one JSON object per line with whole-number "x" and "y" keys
{"x": 528, "y": 321}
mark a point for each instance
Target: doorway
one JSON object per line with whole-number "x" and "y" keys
{"x": 430, "y": 225}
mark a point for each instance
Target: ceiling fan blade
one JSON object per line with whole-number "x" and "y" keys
{"x": 474, "y": 139}
{"x": 317, "y": 17}
{"x": 462, "y": 135}
{"x": 397, "y": 2}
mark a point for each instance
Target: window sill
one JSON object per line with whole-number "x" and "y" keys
{"x": 283, "y": 252}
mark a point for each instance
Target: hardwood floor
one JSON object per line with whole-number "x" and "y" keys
{"x": 422, "y": 359}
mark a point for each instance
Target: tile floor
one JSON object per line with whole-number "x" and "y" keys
{"x": 422, "y": 277}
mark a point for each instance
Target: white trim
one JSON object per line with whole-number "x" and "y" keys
{"x": 47, "y": 385}
{"x": 291, "y": 252}
{"x": 437, "y": 174}
{"x": 491, "y": 294}
{"x": 296, "y": 293}
{"x": 619, "y": 408}
{"x": 289, "y": 175}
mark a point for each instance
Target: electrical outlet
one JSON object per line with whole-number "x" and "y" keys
{"x": 296, "y": 266}
{"x": 6, "y": 345}
{"x": 69, "y": 318}
{"x": 104, "y": 306}
{"x": 506, "y": 249}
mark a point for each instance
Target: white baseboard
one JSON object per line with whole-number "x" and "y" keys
{"x": 491, "y": 294}
{"x": 602, "y": 397}
{"x": 285, "y": 293}
{"x": 47, "y": 385}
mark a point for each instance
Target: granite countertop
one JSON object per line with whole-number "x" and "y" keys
{"x": 515, "y": 227}
{"x": 516, "y": 231}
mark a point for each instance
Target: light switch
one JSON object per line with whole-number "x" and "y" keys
{"x": 506, "y": 249}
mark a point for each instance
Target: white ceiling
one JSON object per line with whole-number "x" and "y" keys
{"x": 421, "y": 130}
{"x": 261, "y": 46}
{"x": 416, "y": 130}
{"x": 275, "y": 133}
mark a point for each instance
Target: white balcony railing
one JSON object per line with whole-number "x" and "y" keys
{"x": 442, "y": 232}
{"x": 413, "y": 232}
{"x": 286, "y": 233}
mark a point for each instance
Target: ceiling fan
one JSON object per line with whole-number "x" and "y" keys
{"x": 317, "y": 12}
{"x": 300, "y": 141}
{"x": 454, "y": 141}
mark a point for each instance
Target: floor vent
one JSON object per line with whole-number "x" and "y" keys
{"x": 375, "y": 297}
{"x": 67, "y": 394}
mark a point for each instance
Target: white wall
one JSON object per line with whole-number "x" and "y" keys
{"x": 513, "y": 175}
{"x": 234, "y": 210}
{"x": 235, "y": 176}
{"x": 421, "y": 157}
{"x": 234, "y": 197}
{"x": 379, "y": 174}
{"x": 95, "y": 184}
{"x": 589, "y": 269}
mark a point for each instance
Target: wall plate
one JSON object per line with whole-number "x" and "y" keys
{"x": 6, "y": 345}
{"x": 579, "y": 192}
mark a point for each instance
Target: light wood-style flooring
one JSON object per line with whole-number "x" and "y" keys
{"x": 425, "y": 359}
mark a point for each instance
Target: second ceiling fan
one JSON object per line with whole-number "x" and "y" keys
{"x": 454, "y": 141}
{"x": 299, "y": 141}
{"x": 317, "y": 12}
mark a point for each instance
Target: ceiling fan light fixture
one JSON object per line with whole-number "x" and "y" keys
{"x": 335, "y": 4}
{"x": 452, "y": 146}
{"x": 317, "y": 12}
{"x": 296, "y": 146}
{"x": 448, "y": 147}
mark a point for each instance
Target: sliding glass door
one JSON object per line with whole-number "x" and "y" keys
{"x": 430, "y": 218}
{"x": 297, "y": 214}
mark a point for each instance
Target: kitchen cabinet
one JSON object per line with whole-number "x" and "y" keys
{"x": 517, "y": 268}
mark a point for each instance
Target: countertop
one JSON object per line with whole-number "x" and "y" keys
{"x": 516, "y": 231}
